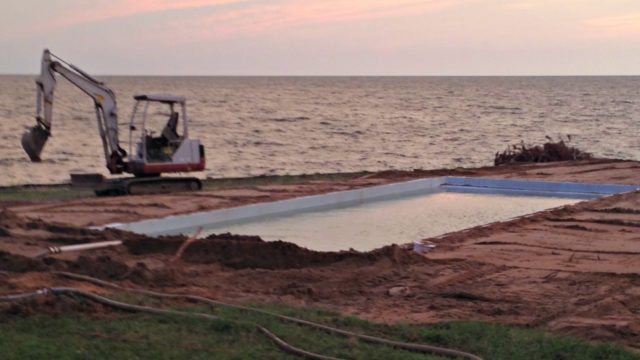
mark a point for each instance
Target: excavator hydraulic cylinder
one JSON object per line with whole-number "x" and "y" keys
{"x": 33, "y": 142}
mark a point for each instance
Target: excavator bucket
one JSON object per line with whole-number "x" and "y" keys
{"x": 33, "y": 142}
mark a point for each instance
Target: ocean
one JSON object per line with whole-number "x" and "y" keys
{"x": 292, "y": 125}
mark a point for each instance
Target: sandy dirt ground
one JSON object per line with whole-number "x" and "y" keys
{"x": 573, "y": 270}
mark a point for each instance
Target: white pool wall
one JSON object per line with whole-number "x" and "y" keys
{"x": 186, "y": 223}
{"x": 178, "y": 224}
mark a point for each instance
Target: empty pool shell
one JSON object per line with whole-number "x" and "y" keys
{"x": 184, "y": 224}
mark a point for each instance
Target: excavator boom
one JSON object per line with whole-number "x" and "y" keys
{"x": 104, "y": 101}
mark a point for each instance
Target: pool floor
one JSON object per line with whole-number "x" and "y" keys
{"x": 402, "y": 220}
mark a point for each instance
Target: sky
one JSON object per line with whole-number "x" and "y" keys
{"x": 325, "y": 37}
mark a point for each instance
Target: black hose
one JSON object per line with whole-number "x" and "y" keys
{"x": 22, "y": 296}
{"x": 126, "y": 306}
{"x": 293, "y": 350}
{"x": 422, "y": 348}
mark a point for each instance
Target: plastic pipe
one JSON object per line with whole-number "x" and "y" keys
{"x": 80, "y": 247}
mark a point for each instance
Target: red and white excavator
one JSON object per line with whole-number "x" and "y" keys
{"x": 171, "y": 151}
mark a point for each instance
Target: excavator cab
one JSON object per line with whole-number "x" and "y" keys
{"x": 167, "y": 150}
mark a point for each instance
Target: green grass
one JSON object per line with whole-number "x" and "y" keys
{"x": 140, "y": 336}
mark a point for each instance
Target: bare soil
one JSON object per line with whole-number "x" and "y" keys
{"x": 574, "y": 270}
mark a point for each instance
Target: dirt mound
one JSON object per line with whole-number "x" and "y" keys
{"x": 59, "y": 233}
{"x": 8, "y": 219}
{"x": 70, "y": 235}
{"x": 17, "y": 263}
{"x": 239, "y": 252}
{"x": 548, "y": 152}
{"x": 65, "y": 234}
{"x": 100, "y": 266}
{"x": 7, "y": 216}
{"x": 55, "y": 305}
{"x": 103, "y": 267}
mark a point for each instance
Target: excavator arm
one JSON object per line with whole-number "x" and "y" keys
{"x": 105, "y": 106}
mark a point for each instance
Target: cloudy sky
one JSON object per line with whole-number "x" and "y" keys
{"x": 325, "y": 37}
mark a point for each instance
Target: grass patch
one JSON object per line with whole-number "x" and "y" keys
{"x": 235, "y": 337}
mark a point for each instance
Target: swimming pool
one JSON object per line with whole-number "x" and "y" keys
{"x": 371, "y": 217}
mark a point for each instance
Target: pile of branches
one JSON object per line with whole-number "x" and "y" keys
{"x": 547, "y": 152}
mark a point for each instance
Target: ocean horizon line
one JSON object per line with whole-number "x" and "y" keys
{"x": 346, "y": 76}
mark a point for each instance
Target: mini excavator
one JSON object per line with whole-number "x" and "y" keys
{"x": 171, "y": 151}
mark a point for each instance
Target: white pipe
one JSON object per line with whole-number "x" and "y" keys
{"x": 79, "y": 247}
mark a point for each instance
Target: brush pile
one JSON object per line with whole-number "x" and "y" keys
{"x": 547, "y": 152}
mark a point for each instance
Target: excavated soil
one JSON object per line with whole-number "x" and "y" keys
{"x": 54, "y": 306}
{"x": 16, "y": 263}
{"x": 573, "y": 270}
{"x": 251, "y": 252}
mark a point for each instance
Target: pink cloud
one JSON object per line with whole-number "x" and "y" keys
{"x": 250, "y": 19}
{"x": 88, "y": 13}
{"x": 125, "y": 8}
{"x": 262, "y": 18}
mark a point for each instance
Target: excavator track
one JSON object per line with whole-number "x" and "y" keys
{"x": 153, "y": 185}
